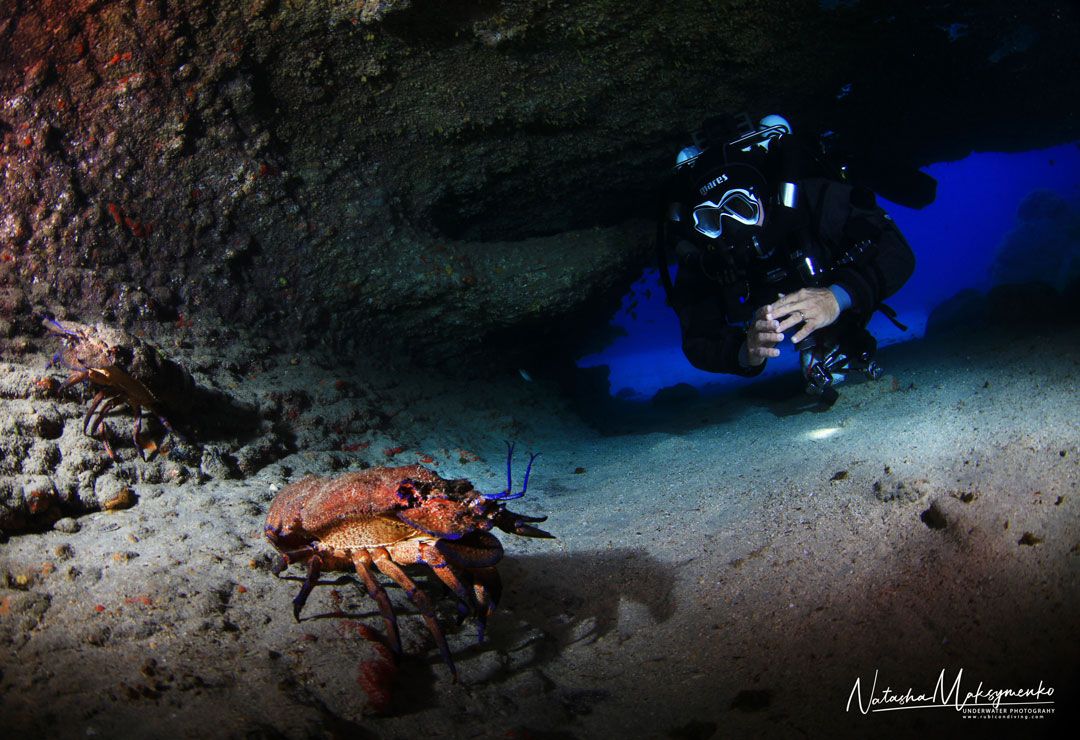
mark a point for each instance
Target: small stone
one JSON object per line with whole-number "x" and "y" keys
{"x": 215, "y": 464}
{"x": 251, "y": 458}
{"x": 67, "y": 525}
{"x": 48, "y": 424}
{"x": 934, "y": 517}
{"x": 64, "y": 552}
{"x": 1029, "y": 539}
{"x": 151, "y": 473}
{"x": 176, "y": 474}
{"x": 124, "y": 498}
{"x": 97, "y": 634}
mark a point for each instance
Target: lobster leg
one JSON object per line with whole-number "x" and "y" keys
{"x": 363, "y": 562}
{"x": 488, "y": 588}
{"x": 168, "y": 430}
{"x": 477, "y": 555}
{"x": 136, "y": 428}
{"x": 76, "y": 377}
{"x": 285, "y": 559}
{"x": 390, "y": 569}
{"x": 314, "y": 568}
{"x": 103, "y": 433}
{"x": 447, "y": 574}
{"x": 86, "y": 423}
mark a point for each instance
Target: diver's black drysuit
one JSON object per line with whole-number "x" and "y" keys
{"x": 869, "y": 256}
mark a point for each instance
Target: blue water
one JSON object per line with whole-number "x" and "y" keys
{"x": 955, "y": 242}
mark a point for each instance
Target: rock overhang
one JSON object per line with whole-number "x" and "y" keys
{"x": 331, "y": 173}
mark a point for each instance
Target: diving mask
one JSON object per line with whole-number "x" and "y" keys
{"x": 738, "y": 204}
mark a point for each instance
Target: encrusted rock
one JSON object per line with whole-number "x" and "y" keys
{"x": 458, "y": 187}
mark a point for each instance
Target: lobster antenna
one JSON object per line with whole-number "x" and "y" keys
{"x": 509, "y": 460}
{"x": 528, "y": 469}
{"x": 506, "y": 494}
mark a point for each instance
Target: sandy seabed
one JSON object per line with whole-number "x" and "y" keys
{"x": 727, "y": 566}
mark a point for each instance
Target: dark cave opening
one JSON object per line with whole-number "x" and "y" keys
{"x": 1002, "y": 221}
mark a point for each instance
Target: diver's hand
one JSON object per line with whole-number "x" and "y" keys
{"x": 762, "y": 336}
{"x": 814, "y": 308}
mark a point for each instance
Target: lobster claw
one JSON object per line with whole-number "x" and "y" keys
{"x": 438, "y": 517}
{"x": 527, "y": 530}
{"x": 479, "y": 551}
{"x": 513, "y": 523}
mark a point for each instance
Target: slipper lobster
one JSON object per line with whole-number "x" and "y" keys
{"x": 126, "y": 369}
{"x": 380, "y": 519}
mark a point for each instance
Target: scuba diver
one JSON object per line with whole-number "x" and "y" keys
{"x": 768, "y": 251}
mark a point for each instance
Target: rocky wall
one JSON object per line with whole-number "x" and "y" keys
{"x": 440, "y": 179}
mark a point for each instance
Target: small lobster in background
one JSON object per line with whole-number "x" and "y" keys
{"x": 379, "y": 519}
{"x": 125, "y": 369}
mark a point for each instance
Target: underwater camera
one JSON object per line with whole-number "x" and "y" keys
{"x": 826, "y": 364}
